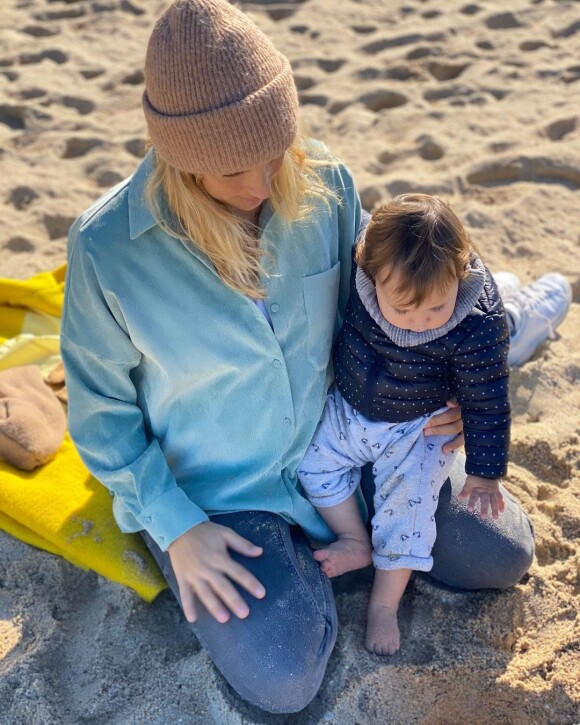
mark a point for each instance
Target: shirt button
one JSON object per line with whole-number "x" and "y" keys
{"x": 276, "y": 363}
{"x": 287, "y": 421}
{"x": 147, "y": 520}
{"x": 161, "y": 540}
{"x": 274, "y": 307}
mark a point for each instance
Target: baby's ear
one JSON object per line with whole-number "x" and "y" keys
{"x": 32, "y": 420}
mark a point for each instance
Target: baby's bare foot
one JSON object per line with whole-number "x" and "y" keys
{"x": 343, "y": 555}
{"x": 382, "y": 636}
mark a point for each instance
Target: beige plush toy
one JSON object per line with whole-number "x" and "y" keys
{"x": 32, "y": 421}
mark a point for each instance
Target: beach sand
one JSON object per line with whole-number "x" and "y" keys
{"x": 477, "y": 102}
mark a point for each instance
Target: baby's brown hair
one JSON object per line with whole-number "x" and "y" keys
{"x": 421, "y": 238}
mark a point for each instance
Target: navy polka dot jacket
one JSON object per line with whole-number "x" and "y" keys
{"x": 387, "y": 382}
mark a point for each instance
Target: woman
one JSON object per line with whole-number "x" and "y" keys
{"x": 202, "y": 298}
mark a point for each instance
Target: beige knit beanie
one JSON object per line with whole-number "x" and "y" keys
{"x": 219, "y": 97}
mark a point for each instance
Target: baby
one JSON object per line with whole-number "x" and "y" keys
{"x": 424, "y": 323}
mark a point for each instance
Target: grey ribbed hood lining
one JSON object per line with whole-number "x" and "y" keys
{"x": 469, "y": 291}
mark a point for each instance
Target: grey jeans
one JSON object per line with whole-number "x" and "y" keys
{"x": 276, "y": 658}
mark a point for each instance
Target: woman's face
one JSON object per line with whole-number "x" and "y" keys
{"x": 433, "y": 312}
{"x": 244, "y": 190}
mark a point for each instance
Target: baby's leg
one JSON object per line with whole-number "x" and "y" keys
{"x": 352, "y": 548}
{"x": 383, "y": 636}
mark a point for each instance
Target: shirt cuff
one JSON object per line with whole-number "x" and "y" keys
{"x": 169, "y": 516}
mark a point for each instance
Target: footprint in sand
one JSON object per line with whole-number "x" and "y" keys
{"x": 19, "y": 118}
{"x": 28, "y": 94}
{"x": 57, "y": 225}
{"x": 65, "y": 14}
{"x": 279, "y": 9}
{"x": 19, "y": 245}
{"x": 103, "y": 176}
{"x": 556, "y": 130}
{"x": 423, "y": 51}
{"x": 77, "y": 146}
{"x": 538, "y": 169}
{"x": 136, "y": 78}
{"x": 449, "y": 92}
{"x": 503, "y": 21}
{"x": 82, "y": 105}
{"x": 89, "y": 73}
{"x": 549, "y": 551}
{"x": 21, "y": 197}
{"x": 429, "y": 149}
{"x": 370, "y": 196}
{"x": 328, "y": 65}
{"x": 13, "y": 116}
{"x": 470, "y": 9}
{"x": 568, "y": 31}
{"x": 40, "y": 31}
{"x": 378, "y": 46}
{"x": 531, "y": 45}
{"x": 130, "y": 7}
{"x": 311, "y": 99}
{"x": 55, "y": 55}
{"x": 303, "y": 83}
{"x": 446, "y": 71}
{"x": 571, "y": 74}
{"x": 382, "y": 99}
{"x": 364, "y": 29}
{"x": 136, "y": 147}
{"x": 10, "y": 75}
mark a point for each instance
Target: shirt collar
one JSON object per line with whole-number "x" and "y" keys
{"x": 140, "y": 217}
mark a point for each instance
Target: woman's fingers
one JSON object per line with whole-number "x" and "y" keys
{"x": 445, "y": 424}
{"x": 244, "y": 578}
{"x": 453, "y": 445}
{"x": 497, "y": 504}
{"x": 451, "y": 415}
{"x": 188, "y": 602}
{"x": 484, "y": 504}
{"x": 229, "y": 595}
{"x": 205, "y": 570}
{"x": 241, "y": 545}
{"x": 211, "y": 601}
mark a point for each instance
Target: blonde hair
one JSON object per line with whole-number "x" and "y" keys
{"x": 213, "y": 227}
{"x": 419, "y": 237}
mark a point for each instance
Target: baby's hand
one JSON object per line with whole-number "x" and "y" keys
{"x": 487, "y": 491}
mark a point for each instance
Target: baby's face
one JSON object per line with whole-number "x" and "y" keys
{"x": 434, "y": 311}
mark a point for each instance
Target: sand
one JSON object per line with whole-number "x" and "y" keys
{"x": 475, "y": 101}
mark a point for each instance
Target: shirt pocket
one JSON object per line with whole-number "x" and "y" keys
{"x": 321, "y": 301}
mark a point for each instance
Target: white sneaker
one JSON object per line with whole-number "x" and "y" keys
{"x": 507, "y": 283}
{"x": 536, "y": 311}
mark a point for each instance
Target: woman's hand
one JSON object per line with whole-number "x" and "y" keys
{"x": 488, "y": 493}
{"x": 204, "y": 569}
{"x": 444, "y": 424}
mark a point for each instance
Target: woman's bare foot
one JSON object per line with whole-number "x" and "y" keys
{"x": 382, "y": 636}
{"x": 345, "y": 554}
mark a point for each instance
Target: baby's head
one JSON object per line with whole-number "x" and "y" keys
{"x": 416, "y": 251}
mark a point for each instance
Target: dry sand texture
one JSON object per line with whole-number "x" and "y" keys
{"x": 476, "y": 101}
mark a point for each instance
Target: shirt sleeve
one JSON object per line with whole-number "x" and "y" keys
{"x": 105, "y": 421}
{"x": 481, "y": 378}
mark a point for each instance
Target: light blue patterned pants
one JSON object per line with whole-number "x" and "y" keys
{"x": 409, "y": 471}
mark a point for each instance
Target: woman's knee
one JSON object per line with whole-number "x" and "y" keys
{"x": 285, "y": 686}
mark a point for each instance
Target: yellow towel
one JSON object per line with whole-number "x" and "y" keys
{"x": 30, "y": 313}
{"x": 60, "y": 507}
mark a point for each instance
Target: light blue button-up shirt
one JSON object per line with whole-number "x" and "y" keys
{"x": 184, "y": 401}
